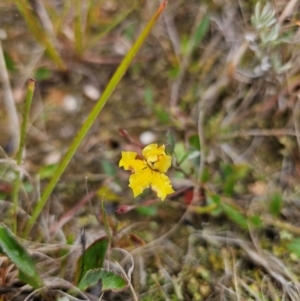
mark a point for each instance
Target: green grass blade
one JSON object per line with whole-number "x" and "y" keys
{"x": 93, "y": 115}
{"x": 28, "y": 101}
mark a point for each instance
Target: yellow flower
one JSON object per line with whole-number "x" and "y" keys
{"x": 149, "y": 170}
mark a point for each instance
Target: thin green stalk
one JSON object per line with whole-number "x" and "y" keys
{"x": 15, "y": 195}
{"x": 92, "y": 117}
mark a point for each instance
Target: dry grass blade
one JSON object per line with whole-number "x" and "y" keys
{"x": 9, "y": 102}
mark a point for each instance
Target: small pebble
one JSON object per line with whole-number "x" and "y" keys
{"x": 52, "y": 158}
{"x": 70, "y": 103}
{"x": 91, "y": 92}
{"x": 147, "y": 137}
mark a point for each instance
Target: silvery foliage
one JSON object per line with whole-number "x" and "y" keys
{"x": 265, "y": 39}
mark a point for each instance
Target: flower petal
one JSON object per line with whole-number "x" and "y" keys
{"x": 156, "y": 157}
{"x": 163, "y": 163}
{"x": 153, "y": 150}
{"x": 161, "y": 184}
{"x": 129, "y": 162}
{"x": 140, "y": 181}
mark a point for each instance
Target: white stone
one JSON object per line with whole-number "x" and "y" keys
{"x": 147, "y": 137}
{"x": 91, "y": 92}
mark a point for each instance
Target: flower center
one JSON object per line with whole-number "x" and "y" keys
{"x": 151, "y": 164}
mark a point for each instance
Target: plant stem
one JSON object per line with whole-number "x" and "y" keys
{"x": 15, "y": 195}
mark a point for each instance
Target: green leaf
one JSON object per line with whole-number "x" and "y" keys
{"x": 10, "y": 246}
{"x": 205, "y": 175}
{"x": 10, "y": 64}
{"x": 92, "y": 258}
{"x": 42, "y": 74}
{"x": 110, "y": 280}
{"x": 184, "y": 44}
{"x": 147, "y": 210}
{"x": 201, "y": 31}
{"x": 194, "y": 142}
{"x": 275, "y": 204}
{"x": 170, "y": 143}
{"x": 229, "y": 186}
{"x": 231, "y": 174}
{"x": 189, "y": 44}
{"x": 174, "y": 72}
{"x": 234, "y": 215}
{"x": 294, "y": 246}
{"x": 148, "y": 96}
{"x": 256, "y": 221}
{"x": 181, "y": 156}
{"x": 216, "y": 199}
{"x": 28, "y": 187}
{"x": 108, "y": 168}
{"x": 161, "y": 114}
{"x": 47, "y": 171}
{"x": 129, "y": 32}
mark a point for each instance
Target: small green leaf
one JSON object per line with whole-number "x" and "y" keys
{"x": 162, "y": 115}
{"x": 108, "y": 168}
{"x": 92, "y": 258}
{"x": 110, "y": 280}
{"x": 147, "y": 210}
{"x": 181, "y": 155}
{"x": 256, "y": 221}
{"x": 10, "y": 246}
{"x": 28, "y": 187}
{"x": 229, "y": 186}
{"x": 234, "y": 215}
{"x": 10, "y": 64}
{"x": 42, "y": 74}
{"x": 194, "y": 142}
{"x": 201, "y": 31}
{"x": 170, "y": 143}
{"x": 174, "y": 72}
{"x": 184, "y": 44}
{"x": 216, "y": 199}
{"x": 47, "y": 171}
{"x": 231, "y": 174}
{"x": 129, "y": 31}
{"x": 275, "y": 204}
{"x": 148, "y": 96}
{"x": 226, "y": 170}
{"x": 294, "y": 246}
{"x": 205, "y": 175}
